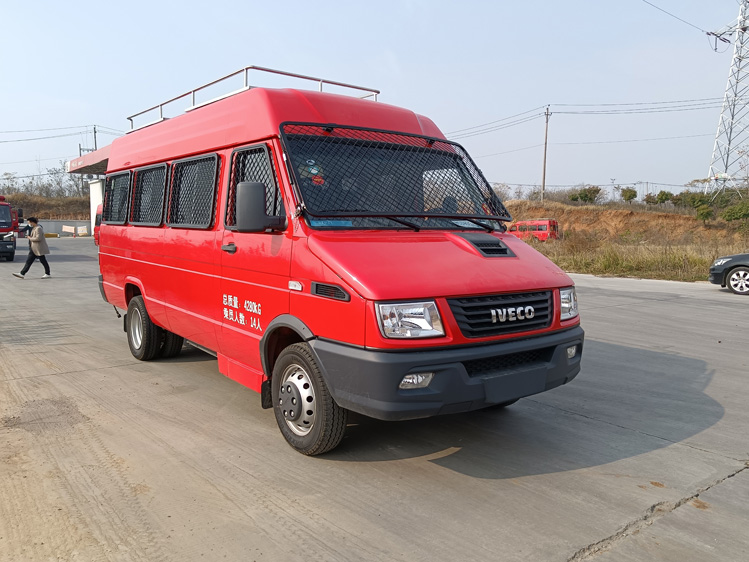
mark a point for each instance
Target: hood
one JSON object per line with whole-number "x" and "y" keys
{"x": 406, "y": 265}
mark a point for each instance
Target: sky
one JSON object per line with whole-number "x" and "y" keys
{"x": 483, "y": 71}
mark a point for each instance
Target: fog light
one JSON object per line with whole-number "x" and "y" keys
{"x": 571, "y": 352}
{"x": 416, "y": 380}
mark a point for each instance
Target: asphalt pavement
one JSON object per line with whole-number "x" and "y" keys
{"x": 644, "y": 456}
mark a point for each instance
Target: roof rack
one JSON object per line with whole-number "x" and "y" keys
{"x": 246, "y": 71}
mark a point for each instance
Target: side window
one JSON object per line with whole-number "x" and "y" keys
{"x": 192, "y": 192}
{"x": 116, "y": 199}
{"x": 148, "y": 196}
{"x": 253, "y": 164}
{"x": 542, "y": 227}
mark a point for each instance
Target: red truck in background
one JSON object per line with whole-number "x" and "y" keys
{"x": 97, "y": 223}
{"x": 541, "y": 229}
{"x": 8, "y": 229}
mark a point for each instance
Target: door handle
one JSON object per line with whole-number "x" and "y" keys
{"x": 231, "y": 248}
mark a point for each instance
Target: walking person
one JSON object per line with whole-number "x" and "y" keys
{"x": 38, "y": 248}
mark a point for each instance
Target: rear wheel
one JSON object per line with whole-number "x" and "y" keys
{"x": 308, "y": 417}
{"x": 143, "y": 336}
{"x": 172, "y": 345}
{"x": 738, "y": 280}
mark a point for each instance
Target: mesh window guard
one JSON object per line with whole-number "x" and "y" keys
{"x": 116, "y": 199}
{"x": 350, "y": 172}
{"x": 253, "y": 164}
{"x": 193, "y": 192}
{"x": 148, "y": 196}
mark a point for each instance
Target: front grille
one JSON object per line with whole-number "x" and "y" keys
{"x": 489, "y": 366}
{"x": 495, "y": 315}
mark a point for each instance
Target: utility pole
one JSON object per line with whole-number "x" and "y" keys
{"x": 546, "y": 144}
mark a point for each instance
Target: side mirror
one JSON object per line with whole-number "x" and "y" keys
{"x": 250, "y": 209}
{"x": 20, "y": 213}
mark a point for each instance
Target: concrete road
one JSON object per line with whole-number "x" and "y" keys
{"x": 643, "y": 457}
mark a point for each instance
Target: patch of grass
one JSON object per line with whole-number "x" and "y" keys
{"x": 624, "y": 258}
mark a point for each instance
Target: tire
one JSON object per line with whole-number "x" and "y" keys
{"x": 171, "y": 346}
{"x": 738, "y": 280}
{"x": 297, "y": 381}
{"x": 143, "y": 336}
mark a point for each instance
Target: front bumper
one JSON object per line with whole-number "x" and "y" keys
{"x": 717, "y": 275}
{"x": 465, "y": 378}
{"x": 7, "y": 248}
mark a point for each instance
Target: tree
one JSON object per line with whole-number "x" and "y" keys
{"x": 589, "y": 194}
{"x": 664, "y": 196}
{"x": 694, "y": 199}
{"x": 650, "y": 199}
{"x": 705, "y": 213}
{"x": 628, "y": 194}
{"x": 736, "y": 212}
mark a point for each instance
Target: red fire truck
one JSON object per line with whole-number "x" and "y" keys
{"x": 336, "y": 254}
{"x": 8, "y": 229}
{"x": 540, "y": 229}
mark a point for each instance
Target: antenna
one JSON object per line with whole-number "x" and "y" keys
{"x": 729, "y": 165}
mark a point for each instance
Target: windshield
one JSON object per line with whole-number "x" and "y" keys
{"x": 5, "y": 220}
{"x": 355, "y": 178}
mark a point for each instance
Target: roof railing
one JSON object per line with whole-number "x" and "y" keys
{"x": 370, "y": 92}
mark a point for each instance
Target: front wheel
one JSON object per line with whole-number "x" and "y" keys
{"x": 143, "y": 336}
{"x": 738, "y": 280}
{"x": 308, "y": 417}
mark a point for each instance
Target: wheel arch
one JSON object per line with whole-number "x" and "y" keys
{"x": 283, "y": 331}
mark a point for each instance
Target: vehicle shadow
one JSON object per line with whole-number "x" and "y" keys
{"x": 618, "y": 407}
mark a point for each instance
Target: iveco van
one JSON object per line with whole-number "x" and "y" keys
{"x": 336, "y": 254}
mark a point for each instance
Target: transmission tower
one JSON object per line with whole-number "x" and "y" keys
{"x": 728, "y": 168}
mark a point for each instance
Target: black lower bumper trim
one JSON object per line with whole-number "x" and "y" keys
{"x": 366, "y": 381}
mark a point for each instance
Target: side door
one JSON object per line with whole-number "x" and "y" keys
{"x": 190, "y": 250}
{"x": 255, "y": 267}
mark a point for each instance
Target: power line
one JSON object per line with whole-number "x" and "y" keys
{"x": 36, "y": 160}
{"x": 492, "y": 122}
{"x": 593, "y": 142}
{"x": 673, "y": 16}
{"x": 43, "y": 138}
{"x": 498, "y": 127}
{"x": 510, "y": 151}
{"x": 636, "y": 103}
{"x": 634, "y": 140}
{"x": 41, "y": 130}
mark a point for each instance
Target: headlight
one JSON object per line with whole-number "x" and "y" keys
{"x": 721, "y": 261}
{"x": 568, "y": 298}
{"x": 410, "y": 320}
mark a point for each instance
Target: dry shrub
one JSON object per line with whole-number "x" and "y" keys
{"x": 51, "y": 208}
